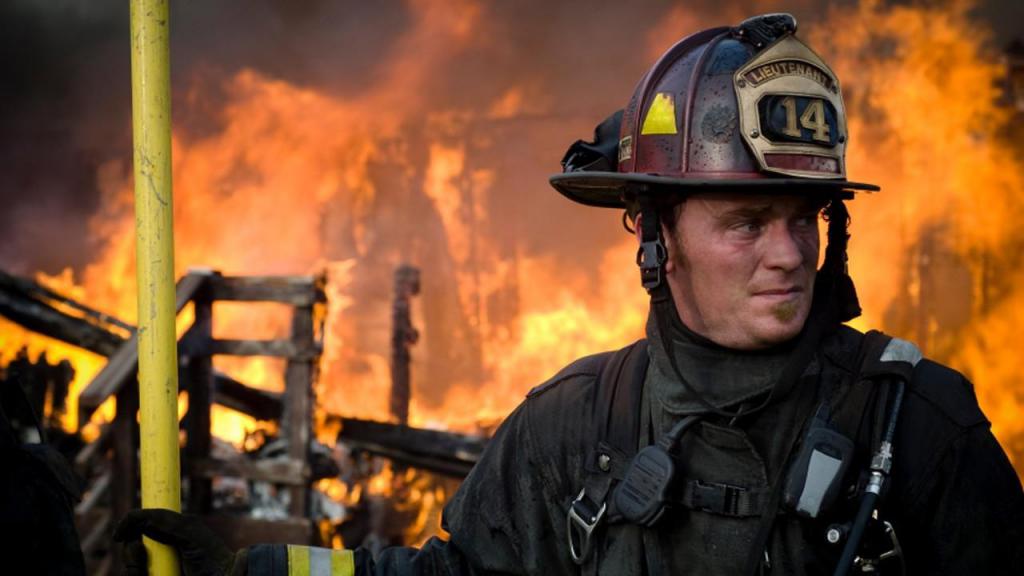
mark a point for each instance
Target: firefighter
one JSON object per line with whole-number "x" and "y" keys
{"x": 751, "y": 432}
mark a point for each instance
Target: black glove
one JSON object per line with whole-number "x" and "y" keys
{"x": 202, "y": 553}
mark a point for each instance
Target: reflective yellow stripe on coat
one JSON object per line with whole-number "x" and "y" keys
{"x": 309, "y": 561}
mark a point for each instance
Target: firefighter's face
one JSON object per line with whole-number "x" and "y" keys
{"x": 742, "y": 267}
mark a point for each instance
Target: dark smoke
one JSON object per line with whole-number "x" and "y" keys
{"x": 65, "y": 93}
{"x": 65, "y": 97}
{"x": 65, "y": 104}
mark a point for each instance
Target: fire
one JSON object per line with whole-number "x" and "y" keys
{"x": 923, "y": 91}
{"x": 288, "y": 179}
{"x": 86, "y": 365}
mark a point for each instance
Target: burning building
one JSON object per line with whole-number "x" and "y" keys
{"x": 351, "y": 138}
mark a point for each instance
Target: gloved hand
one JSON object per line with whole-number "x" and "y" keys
{"x": 201, "y": 551}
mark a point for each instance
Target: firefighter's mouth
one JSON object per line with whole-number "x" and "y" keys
{"x": 780, "y": 293}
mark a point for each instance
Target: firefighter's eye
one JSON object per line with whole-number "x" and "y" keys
{"x": 749, "y": 226}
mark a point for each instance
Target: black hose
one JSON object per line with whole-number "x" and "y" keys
{"x": 880, "y": 466}
{"x": 856, "y": 533}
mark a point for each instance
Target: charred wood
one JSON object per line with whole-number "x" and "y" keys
{"x": 41, "y": 317}
{"x": 200, "y": 378}
{"x": 31, "y": 305}
{"x": 87, "y": 457}
{"x": 446, "y": 453}
{"x": 403, "y": 336}
{"x": 281, "y": 348}
{"x": 96, "y": 492}
{"x": 293, "y": 290}
{"x": 124, "y": 362}
{"x": 289, "y": 472}
{"x": 298, "y": 375}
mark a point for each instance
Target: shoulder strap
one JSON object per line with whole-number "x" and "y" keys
{"x": 882, "y": 360}
{"x": 851, "y": 413}
{"x": 612, "y": 438}
{"x": 619, "y": 388}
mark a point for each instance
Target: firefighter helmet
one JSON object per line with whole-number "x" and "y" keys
{"x": 748, "y": 107}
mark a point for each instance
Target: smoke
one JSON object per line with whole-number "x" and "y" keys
{"x": 65, "y": 94}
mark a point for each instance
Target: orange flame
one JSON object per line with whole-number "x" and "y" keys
{"x": 925, "y": 123}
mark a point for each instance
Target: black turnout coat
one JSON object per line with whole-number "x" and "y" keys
{"x": 954, "y": 499}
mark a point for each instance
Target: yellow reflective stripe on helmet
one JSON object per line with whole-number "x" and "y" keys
{"x": 310, "y": 561}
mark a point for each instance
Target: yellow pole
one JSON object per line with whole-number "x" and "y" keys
{"x": 154, "y": 227}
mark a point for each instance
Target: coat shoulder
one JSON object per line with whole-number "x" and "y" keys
{"x": 586, "y": 368}
{"x": 946, "y": 392}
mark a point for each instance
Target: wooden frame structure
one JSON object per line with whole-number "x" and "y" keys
{"x": 110, "y": 462}
{"x": 118, "y": 474}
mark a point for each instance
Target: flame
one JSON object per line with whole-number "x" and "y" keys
{"x": 85, "y": 364}
{"x": 922, "y": 87}
{"x": 291, "y": 179}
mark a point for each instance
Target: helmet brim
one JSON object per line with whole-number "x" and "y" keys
{"x": 607, "y": 189}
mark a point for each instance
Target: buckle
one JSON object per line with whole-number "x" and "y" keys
{"x": 716, "y": 498}
{"x": 649, "y": 258}
{"x": 894, "y": 552}
{"x": 580, "y": 523}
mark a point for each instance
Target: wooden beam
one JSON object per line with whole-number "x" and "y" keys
{"x": 24, "y": 288}
{"x": 97, "y": 533}
{"x": 259, "y": 404}
{"x": 84, "y": 458}
{"x": 293, "y": 290}
{"x": 452, "y": 468}
{"x": 96, "y": 491}
{"x": 123, "y": 364}
{"x": 289, "y": 472}
{"x": 443, "y": 452}
{"x": 121, "y": 352}
{"x": 298, "y": 392}
{"x": 125, "y": 464}
{"x": 275, "y": 348}
{"x": 227, "y": 391}
{"x": 44, "y": 319}
{"x": 199, "y": 375}
{"x": 403, "y": 336}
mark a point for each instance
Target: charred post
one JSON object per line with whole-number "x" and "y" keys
{"x": 299, "y": 402}
{"x": 199, "y": 375}
{"x": 403, "y": 336}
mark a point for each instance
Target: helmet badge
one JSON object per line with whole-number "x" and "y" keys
{"x": 791, "y": 111}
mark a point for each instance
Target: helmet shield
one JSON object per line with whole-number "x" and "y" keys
{"x": 791, "y": 112}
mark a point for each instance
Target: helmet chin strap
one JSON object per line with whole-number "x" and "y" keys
{"x": 834, "y": 301}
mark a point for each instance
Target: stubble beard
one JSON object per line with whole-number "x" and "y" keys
{"x": 786, "y": 311}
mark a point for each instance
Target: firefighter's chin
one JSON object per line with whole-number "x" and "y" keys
{"x": 776, "y": 318}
